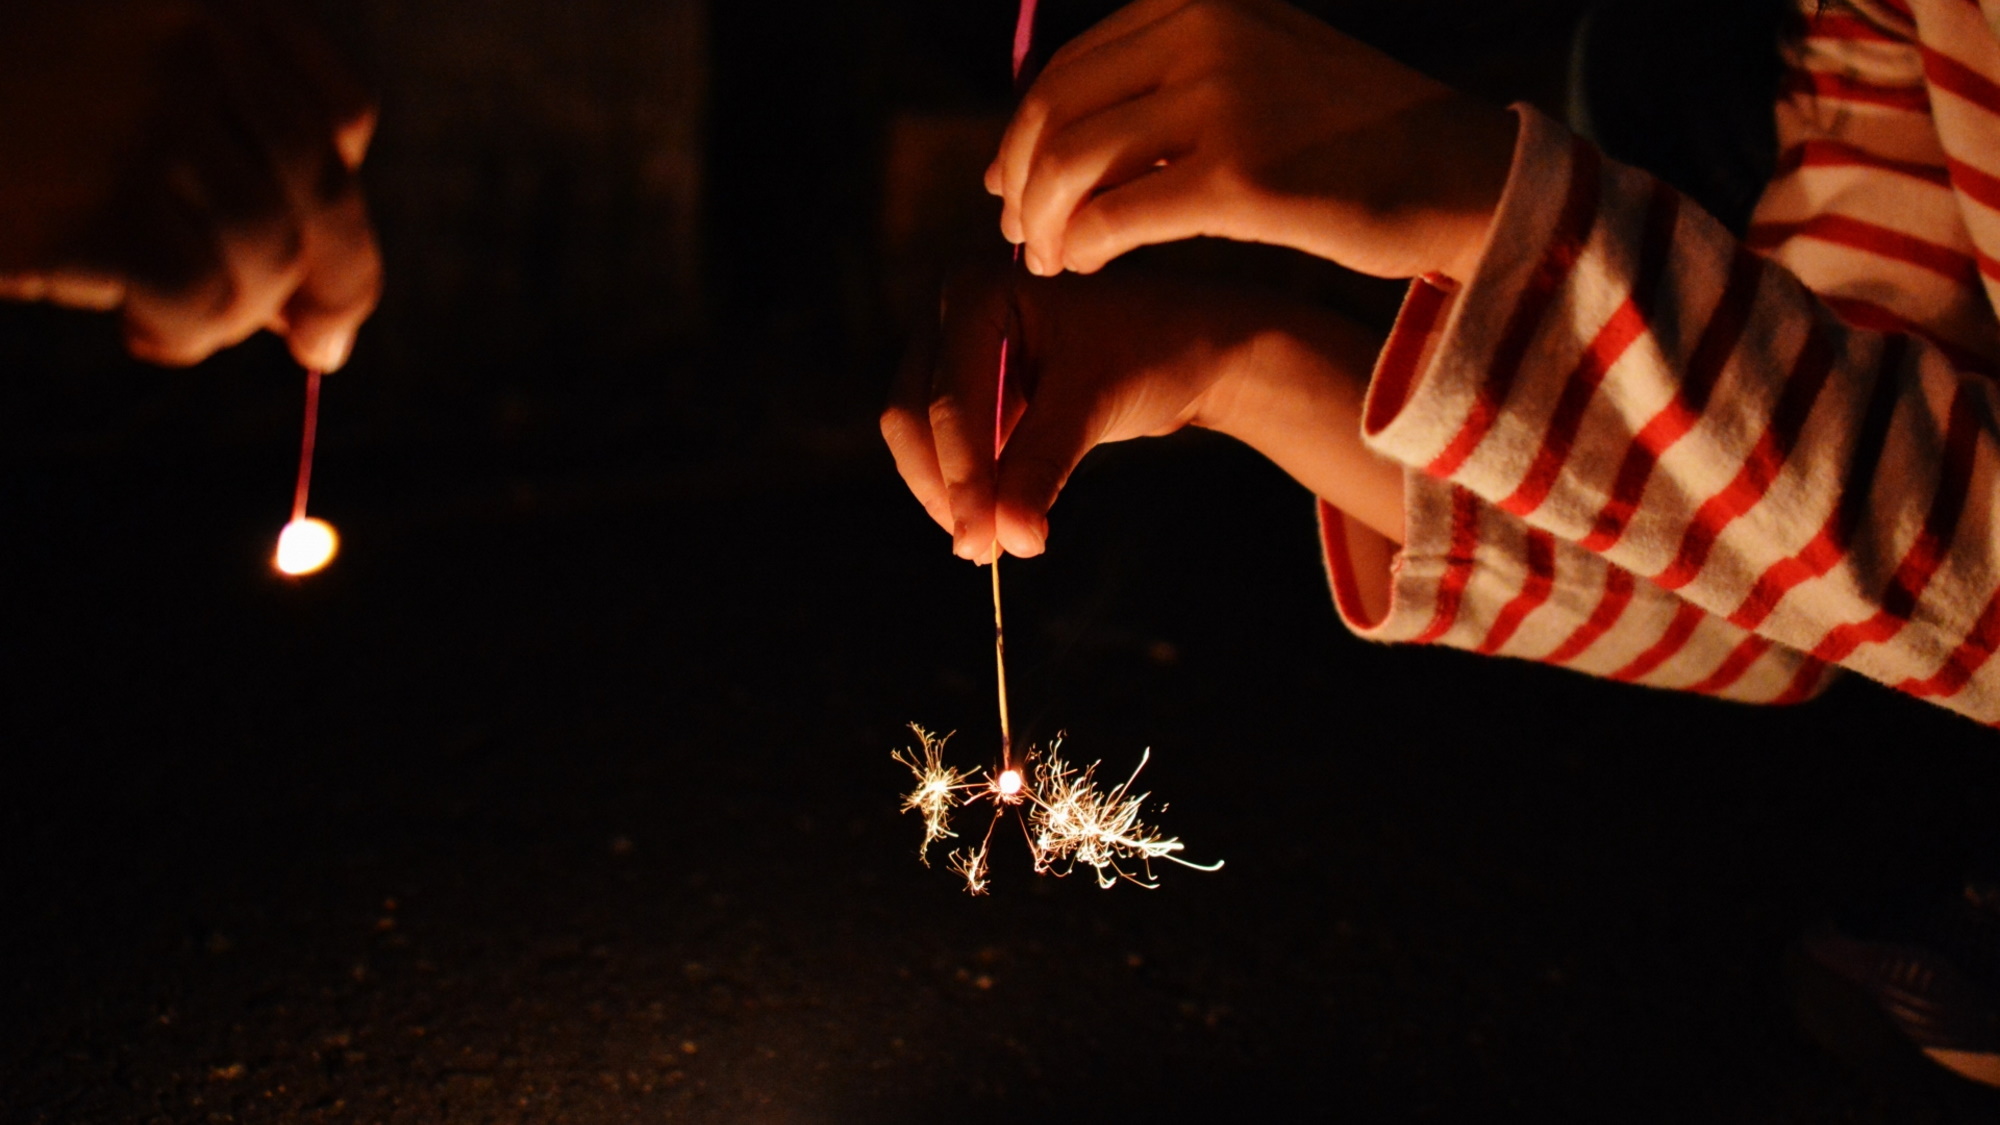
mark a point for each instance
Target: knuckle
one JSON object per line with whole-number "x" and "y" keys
{"x": 1099, "y": 225}
{"x": 945, "y": 412}
{"x": 1205, "y": 92}
{"x": 220, "y": 297}
{"x": 1210, "y": 29}
{"x": 966, "y": 499}
{"x": 1064, "y": 157}
{"x": 1032, "y": 115}
{"x": 1203, "y": 17}
{"x": 169, "y": 348}
{"x": 1038, "y": 475}
{"x": 1226, "y": 179}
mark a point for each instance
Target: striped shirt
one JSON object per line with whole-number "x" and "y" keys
{"x": 1639, "y": 447}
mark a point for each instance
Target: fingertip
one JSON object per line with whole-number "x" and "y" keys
{"x": 1024, "y": 541}
{"x": 147, "y": 346}
{"x": 325, "y": 351}
{"x": 995, "y": 184}
{"x": 973, "y": 540}
{"x": 1081, "y": 265}
{"x": 352, "y": 138}
{"x": 341, "y": 286}
{"x": 23, "y": 287}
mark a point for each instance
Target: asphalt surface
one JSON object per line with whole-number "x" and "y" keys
{"x": 565, "y": 796}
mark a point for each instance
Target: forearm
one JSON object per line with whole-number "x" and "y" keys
{"x": 1294, "y": 393}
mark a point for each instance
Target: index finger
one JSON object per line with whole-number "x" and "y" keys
{"x": 342, "y": 281}
{"x": 906, "y": 426}
{"x": 1024, "y": 131}
{"x": 1114, "y": 72}
{"x": 1117, "y": 25}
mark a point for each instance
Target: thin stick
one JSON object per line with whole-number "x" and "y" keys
{"x": 1000, "y": 667}
{"x": 306, "y": 445}
{"x": 1024, "y": 32}
{"x": 999, "y": 622}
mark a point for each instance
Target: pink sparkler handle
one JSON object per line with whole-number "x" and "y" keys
{"x": 306, "y": 444}
{"x": 1024, "y": 36}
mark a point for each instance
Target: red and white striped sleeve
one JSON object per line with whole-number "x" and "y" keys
{"x": 1638, "y": 447}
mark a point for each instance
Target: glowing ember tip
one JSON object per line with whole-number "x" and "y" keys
{"x": 305, "y": 546}
{"x": 1010, "y": 782}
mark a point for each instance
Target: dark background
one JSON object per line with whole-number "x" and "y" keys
{"x": 565, "y": 795}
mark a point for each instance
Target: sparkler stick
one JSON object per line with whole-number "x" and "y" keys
{"x": 306, "y": 545}
{"x": 999, "y": 621}
{"x": 1024, "y": 39}
{"x": 306, "y": 444}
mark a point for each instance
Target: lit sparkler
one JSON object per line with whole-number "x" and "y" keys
{"x": 1070, "y": 820}
{"x": 306, "y": 545}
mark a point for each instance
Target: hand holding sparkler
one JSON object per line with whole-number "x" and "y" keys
{"x": 1119, "y": 356}
{"x": 1250, "y": 120}
{"x": 190, "y": 164}
{"x": 1075, "y": 823}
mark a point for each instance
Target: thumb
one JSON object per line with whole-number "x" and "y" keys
{"x": 342, "y": 281}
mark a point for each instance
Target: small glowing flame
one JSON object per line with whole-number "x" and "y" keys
{"x": 1010, "y": 782}
{"x": 305, "y": 546}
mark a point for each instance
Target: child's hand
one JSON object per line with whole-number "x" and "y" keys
{"x": 1247, "y": 119}
{"x": 190, "y": 163}
{"x": 1095, "y": 360}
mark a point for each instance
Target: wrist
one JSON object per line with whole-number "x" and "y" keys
{"x": 1460, "y": 179}
{"x": 1293, "y": 391}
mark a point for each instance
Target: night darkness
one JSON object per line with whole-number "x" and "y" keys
{"x": 565, "y": 795}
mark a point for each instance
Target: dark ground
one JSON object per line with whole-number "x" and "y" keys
{"x": 566, "y": 796}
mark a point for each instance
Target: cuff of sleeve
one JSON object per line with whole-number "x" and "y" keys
{"x": 1446, "y": 371}
{"x": 1423, "y": 594}
{"x": 1475, "y": 579}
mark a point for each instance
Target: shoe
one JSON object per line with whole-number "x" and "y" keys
{"x": 1917, "y": 983}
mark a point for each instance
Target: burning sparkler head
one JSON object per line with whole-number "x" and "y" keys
{"x": 1070, "y": 818}
{"x": 305, "y": 546}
